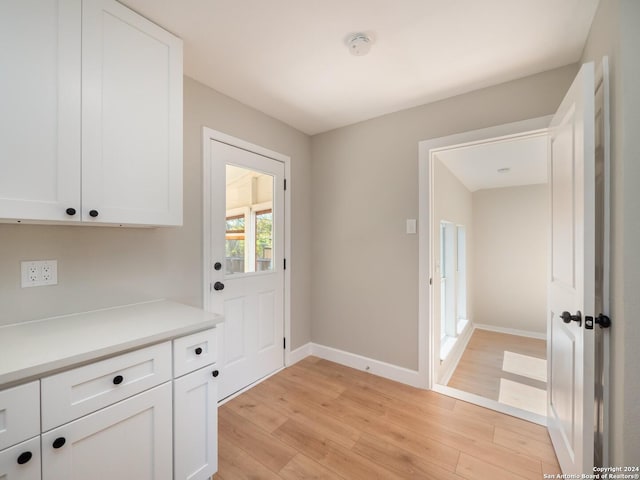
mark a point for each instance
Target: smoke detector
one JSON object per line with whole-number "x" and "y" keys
{"x": 359, "y": 44}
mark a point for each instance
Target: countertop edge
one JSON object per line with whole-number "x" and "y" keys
{"x": 24, "y": 375}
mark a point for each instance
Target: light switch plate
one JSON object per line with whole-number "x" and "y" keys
{"x": 411, "y": 226}
{"x": 37, "y": 273}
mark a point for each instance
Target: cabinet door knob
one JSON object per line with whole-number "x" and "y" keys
{"x": 215, "y": 373}
{"x": 198, "y": 351}
{"x": 71, "y": 211}
{"x": 59, "y": 442}
{"x": 93, "y": 213}
{"x": 24, "y": 458}
{"x": 218, "y": 286}
{"x": 117, "y": 380}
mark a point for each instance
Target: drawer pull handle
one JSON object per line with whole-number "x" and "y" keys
{"x": 118, "y": 379}
{"x": 70, "y": 211}
{"x": 93, "y": 213}
{"x": 215, "y": 373}
{"x": 24, "y": 458}
{"x": 59, "y": 442}
{"x": 198, "y": 351}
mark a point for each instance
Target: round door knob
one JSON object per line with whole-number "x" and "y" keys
{"x": 59, "y": 442}
{"x": 71, "y": 211}
{"x": 215, "y": 373}
{"x": 217, "y": 266}
{"x": 24, "y": 458}
{"x": 93, "y": 213}
{"x": 198, "y": 351}
{"x": 218, "y": 286}
{"x": 118, "y": 379}
{"x": 568, "y": 318}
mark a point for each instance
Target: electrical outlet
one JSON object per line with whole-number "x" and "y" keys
{"x": 38, "y": 273}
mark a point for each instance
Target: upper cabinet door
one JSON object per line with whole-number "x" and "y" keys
{"x": 40, "y": 110}
{"x": 131, "y": 118}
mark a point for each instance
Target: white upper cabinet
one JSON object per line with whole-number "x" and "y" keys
{"x": 40, "y": 109}
{"x": 91, "y": 112}
{"x": 131, "y": 118}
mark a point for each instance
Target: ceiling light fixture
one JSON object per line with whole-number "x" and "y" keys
{"x": 359, "y": 43}
{"x": 504, "y": 170}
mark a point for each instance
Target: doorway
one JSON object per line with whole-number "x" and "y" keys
{"x": 488, "y": 226}
{"x": 245, "y": 240}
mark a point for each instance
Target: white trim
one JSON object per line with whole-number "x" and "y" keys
{"x": 511, "y": 331}
{"x": 492, "y": 404}
{"x": 425, "y": 149}
{"x": 298, "y": 354}
{"x": 376, "y": 367}
{"x": 209, "y": 134}
{"x": 449, "y": 364}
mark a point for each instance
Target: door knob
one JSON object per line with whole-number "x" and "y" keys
{"x": 568, "y": 318}
{"x": 218, "y": 286}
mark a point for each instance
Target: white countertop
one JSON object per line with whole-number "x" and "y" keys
{"x": 38, "y": 348}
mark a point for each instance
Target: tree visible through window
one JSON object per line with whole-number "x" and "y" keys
{"x": 264, "y": 240}
{"x": 234, "y": 243}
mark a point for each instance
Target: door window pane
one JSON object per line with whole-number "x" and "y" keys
{"x": 249, "y": 221}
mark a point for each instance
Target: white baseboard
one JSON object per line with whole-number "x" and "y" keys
{"x": 376, "y": 367}
{"x": 298, "y": 354}
{"x": 511, "y": 331}
{"x": 449, "y": 364}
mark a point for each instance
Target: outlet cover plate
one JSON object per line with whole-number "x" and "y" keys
{"x": 37, "y": 273}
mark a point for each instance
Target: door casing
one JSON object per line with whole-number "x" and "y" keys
{"x": 427, "y": 148}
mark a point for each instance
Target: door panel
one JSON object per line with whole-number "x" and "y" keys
{"x": 571, "y": 283}
{"x": 247, "y": 237}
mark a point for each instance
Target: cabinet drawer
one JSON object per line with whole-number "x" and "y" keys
{"x": 194, "y": 351}
{"x": 83, "y": 390}
{"x": 22, "y": 461}
{"x": 19, "y": 414}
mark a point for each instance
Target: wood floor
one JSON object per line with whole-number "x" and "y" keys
{"x": 320, "y": 420}
{"x": 482, "y": 366}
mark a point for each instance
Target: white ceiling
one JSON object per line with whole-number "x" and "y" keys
{"x": 288, "y": 58}
{"x": 477, "y": 166}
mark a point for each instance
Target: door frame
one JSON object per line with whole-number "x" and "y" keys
{"x": 427, "y": 148}
{"x": 209, "y": 134}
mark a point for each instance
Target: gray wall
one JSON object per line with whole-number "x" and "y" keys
{"x": 452, "y": 202}
{"x": 104, "y": 266}
{"x": 615, "y": 33}
{"x": 364, "y": 186}
{"x": 511, "y": 232}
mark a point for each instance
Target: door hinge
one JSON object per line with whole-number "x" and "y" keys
{"x": 430, "y": 281}
{"x": 284, "y": 342}
{"x": 285, "y": 183}
{"x": 285, "y": 263}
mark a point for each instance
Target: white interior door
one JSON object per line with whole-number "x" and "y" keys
{"x": 572, "y": 273}
{"x": 247, "y": 263}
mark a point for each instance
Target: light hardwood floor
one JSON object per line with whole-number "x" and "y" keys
{"x": 482, "y": 366}
{"x": 320, "y": 420}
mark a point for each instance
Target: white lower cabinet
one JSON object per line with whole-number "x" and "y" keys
{"x": 130, "y": 440}
{"x": 21, "y": 462}
{"x": 195, "y": 423}
{"x": 126, "y": 417}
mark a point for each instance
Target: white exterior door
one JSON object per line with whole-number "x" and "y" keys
{"x": 572, "y": 273}
{"x": 247, "y": 263}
